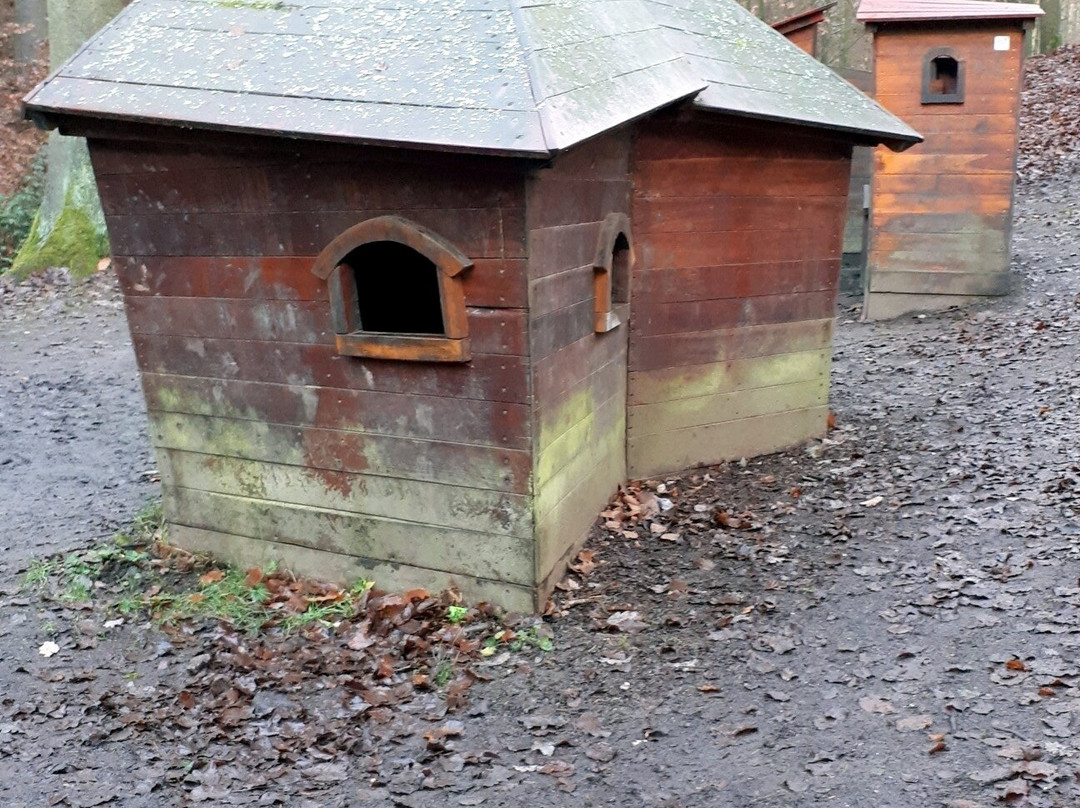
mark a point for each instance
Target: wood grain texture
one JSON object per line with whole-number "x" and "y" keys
{"x": 331, "y": 450}
{"x": 264, "y": 431}
{"x": 945, "y": 206}
{"x": 741, "y": 234}
{"x": 578, "y": 376}
{"x": 657, "y": 454}
{"x": 346, "y": 569}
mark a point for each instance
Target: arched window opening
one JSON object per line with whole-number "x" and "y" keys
{"x": 397, "y": 289}
{"x": 620, "y": 270}
{"x": 611, "y": 273}
{"x": 943, "y": 79}
{"x": 396, "y": 292}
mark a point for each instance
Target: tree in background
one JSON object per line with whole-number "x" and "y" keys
{"x": 31, "y": 18}
{"x": 69, "y": 229}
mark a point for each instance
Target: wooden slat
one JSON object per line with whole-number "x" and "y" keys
{"x": 964, "y": 247}
{"x": 649, "y": 353}
{"x": 492, "y": 468}
{"x": 405, "y": 415}
{"x": 555, "y": 376}
{"x": 735, "y": 280}
{"x": 485, "y": 555}
{"x": 672, "y": 451}
{"x": 564, "y": 525}
{"x": 491, "y": 283}
{"x": 672, "y": 136}
{"x": 686, "y": 413}
{"x": 554, "y": 292}
{"x": 693, "y": 214}
{"x": 570, "y": 200}
{"x": 928, "y": 222}
{"x": 676, "y": 318}
{"x": 347, "y": 569}
{"x": 674, "y": 250}
{"x": 448, "y": 506}
{"x": 941, "y": 283}
{"x": 549, "y": 333}
{"x": 486, "y": 377}
{"x": 974, "y": 163}
{"x": 562, "y": 447}
{"x": 945, "y": 184}
{"x": 479, "y": 233}
{"x": 670, "y": 384}
{"x": 607, "y": 448}
{"x": 752, "y": 176}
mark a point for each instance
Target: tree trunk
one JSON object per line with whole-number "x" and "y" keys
{"x": 30, "y": 16}
{"x": 69, "y": 229}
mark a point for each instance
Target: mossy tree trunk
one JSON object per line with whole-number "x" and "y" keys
{"x": 31, "y": 18}
{"x": 69, "y": 229}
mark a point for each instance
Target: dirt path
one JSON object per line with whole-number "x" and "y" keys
{"x": 888, "y": 619}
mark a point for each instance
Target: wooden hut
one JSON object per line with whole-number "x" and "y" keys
{"x": 394, "y": 271}
{"x": 941, "y": 214}
{"x": 802, "y": 29}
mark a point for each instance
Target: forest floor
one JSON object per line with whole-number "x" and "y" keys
{"x": 885, "y": 618}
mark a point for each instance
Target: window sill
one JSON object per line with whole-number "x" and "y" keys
{"x": 406, "y": 347}
{"x": 604, "y": 321}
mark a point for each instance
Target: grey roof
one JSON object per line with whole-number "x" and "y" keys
{"x": 753, "y": 70}
{"x": 527, "y": 77}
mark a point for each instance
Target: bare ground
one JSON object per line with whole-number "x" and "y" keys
{"x": 886, "y": 618}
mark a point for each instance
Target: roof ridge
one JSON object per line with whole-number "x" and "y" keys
{"x": 529, "y": 54}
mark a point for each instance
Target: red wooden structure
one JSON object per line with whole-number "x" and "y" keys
{"x": 411, "y": 316}
{"x": 802, "y": 29}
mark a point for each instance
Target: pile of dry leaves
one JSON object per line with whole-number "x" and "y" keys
{"x": 19, "y": 140}
{"x": 261, "y": 682}
{"x": 1050, "y": 115}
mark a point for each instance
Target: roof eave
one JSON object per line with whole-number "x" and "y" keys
{"x": 895, "y": 141}
{"x": 80, "y": 123}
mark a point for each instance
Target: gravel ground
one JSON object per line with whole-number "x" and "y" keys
{"x": 888, "y": 617}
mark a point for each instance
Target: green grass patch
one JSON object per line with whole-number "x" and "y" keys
{"x": 17, "y": 213}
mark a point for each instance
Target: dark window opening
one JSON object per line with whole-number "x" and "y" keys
{"x": 944, "y": 76}
{"x": 397, "y": 289}
{"x": 620, "y": 270}
{"x": 943, "y": 79}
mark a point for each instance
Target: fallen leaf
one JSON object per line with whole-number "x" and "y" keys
{"x": 873, "y": 705}
{"x": 629, "y": 622}
{"x": 913, "y": 723}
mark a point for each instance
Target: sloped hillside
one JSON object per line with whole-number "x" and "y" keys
{"x": 1050, "y": 115}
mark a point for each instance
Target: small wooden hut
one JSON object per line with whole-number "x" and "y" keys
{"x": 802, "y": 29}
{"x": 941, "y": 214}
{"x": 413, "y": 285}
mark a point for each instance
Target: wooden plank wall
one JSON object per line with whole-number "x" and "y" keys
{"x": 740, "y": 229}
{"x": 270, "y": 444}
{"x": 942, "y": 210}
{"x": 579, "y": 376}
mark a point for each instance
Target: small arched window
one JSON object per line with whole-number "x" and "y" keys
{"x": 395, "y": 292}
{"x": 943, "y": 78}
{"x": 611, "y": 273}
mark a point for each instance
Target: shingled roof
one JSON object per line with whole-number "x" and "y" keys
{"x": 872, "y": 11}
{"x": 525, "y": 77}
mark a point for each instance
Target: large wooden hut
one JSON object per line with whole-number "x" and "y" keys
{"x": 941, "y": 214}
{"x": 413, "y": 286}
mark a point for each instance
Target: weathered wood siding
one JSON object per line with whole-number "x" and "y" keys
{"x": 579, "y": 376}
{"x": 942, "y": 211}
{"x": 804, "y": 39}
{"x": 270, "y": 444}
{"x": 739, "y": 229}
